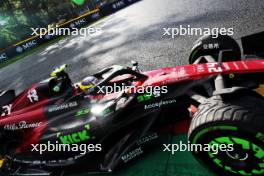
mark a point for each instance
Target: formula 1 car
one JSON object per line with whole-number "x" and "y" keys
{"x": 117, "y": 127}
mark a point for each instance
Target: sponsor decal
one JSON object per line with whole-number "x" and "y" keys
{"x": 176, "y": 79}
{"x": 75, "y": 137}
{"x": 147, "y": 96}
{"x": 78, "y": 23}
{"x": 26, "y": 46}
{"x": 82, "y": 112}
{"x": 107, "y": 111}
{"x": 211, "y": 46}
{"x": 226, "y": 66}
{"x": 143, "y": 98}
{"x": 181, "y": 71}
{"x": 6, "y": 110}
{"x": 95, "y": 15}
{"x": 200, "y": 69}
{"x": 129, "y": 156}
{"x": 21, "y": 125}
{"x": 147, "y": 138}
{"x": 62, "y": 106}
{"x": 235, "y": 65}
{"x": 244, "y": 65}
{"x": 213, "y": 67}
{"x": 29, "y": 44}
{"x": 19, "y": 49}
{"x": 72, "y": 25}
{"x": 160, "y": 104}
{"x": 39, "y": 162}
{"x": 33, "y": 96}
{"x": 118, "y": 4}
{"x": 47, "y": 37}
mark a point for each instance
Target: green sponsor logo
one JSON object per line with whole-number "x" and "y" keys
{"x": 107, "y": 111}
{"x": 78, "y": 2}
{"x": 76, "y": 137}
{"x": 143, "y": 98}
{"x": 82, "y": 112}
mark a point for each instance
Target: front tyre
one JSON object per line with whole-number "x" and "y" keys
{"x": 237, "y": 121}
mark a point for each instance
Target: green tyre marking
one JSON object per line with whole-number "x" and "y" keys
{"x": 245, "y": 144}
{"x": 205, "y": 130}
{"x": 261, "y": 172}
{"x": 225, "y": 140}
{"x": 218, "y": 162}
{"x": 259, "y": 153}
{"x": 242, "y": 172}
{"x": 227, "y": 168}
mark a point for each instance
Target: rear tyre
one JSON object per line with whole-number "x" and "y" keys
{"x": 237, "y": 121}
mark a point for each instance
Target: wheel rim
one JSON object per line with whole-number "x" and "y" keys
{"x": 247, "y": 158}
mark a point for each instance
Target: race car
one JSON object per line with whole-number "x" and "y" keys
{"x": 116, "y": 127}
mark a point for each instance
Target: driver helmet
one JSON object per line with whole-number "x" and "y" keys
{"x": 88, "y": 83}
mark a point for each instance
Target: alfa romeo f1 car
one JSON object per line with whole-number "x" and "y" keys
{"x": 219, "y": 82}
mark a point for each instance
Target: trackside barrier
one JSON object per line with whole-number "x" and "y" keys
{"x": 36, "y": 41}
{"x": 81, "y": 21}
{"x": 115, "y": 6}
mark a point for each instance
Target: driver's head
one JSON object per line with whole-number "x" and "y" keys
{"x": 88, "y": 83}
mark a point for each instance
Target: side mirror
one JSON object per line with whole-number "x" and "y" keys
{"x": 134, "y": 63}
{"x": 135, "y": 66}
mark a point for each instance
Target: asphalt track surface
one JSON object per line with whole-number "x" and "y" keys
{"x": 136, "y": 33}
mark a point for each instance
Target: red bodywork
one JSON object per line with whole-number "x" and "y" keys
{"x": 24, "y": 110}
{"x": 173, "y": 75}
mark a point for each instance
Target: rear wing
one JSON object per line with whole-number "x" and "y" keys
{"x": 253, "y": 44}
